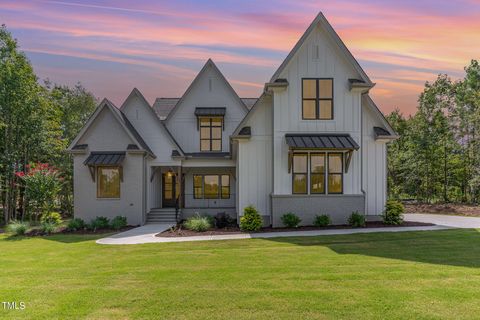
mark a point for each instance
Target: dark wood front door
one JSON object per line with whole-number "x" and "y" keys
{"x": 168, "y": 190}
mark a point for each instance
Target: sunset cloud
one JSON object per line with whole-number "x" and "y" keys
{"x": 161, "y": 45}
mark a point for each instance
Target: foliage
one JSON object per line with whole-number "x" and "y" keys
{"x": 251, "y": 219}
{"x": 356, "y": 220}
{"x": 51, "y": 217}
{"x": 99, "y": 223}
{"x": 322, "y": 220}
{"x": 223, "y": 220}
{"x": 48, "y": 227}
{"x": 198, "y": 223}
{"x": 437, "y": 158}
{"x": 76, "y": 224}
{"x": 290, "y": 220}
{"x": 118, "y": 222}
{"x": 18, "y": 228}
{"x": 393, "y": 213}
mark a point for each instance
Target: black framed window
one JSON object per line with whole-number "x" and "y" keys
{"x": 317, "y": 172}
{"x": 211, "y": 186}
{"x": 211, "y": 134}
{"x": 317, "y": 99}
{"x": 335, "y": 173}
{"x": 300, "y": 173}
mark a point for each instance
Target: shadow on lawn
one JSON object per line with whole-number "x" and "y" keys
{"x": 63, "y": 238}
{"x": 459, "y": 247}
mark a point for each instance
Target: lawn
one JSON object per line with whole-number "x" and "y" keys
{"x": 391, "y": 275}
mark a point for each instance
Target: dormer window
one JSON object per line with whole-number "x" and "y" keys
{"x": 211, "y": 133}
{"x": 317, "y": 98}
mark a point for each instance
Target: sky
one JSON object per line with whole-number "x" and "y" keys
{"x": 159, "y": 46}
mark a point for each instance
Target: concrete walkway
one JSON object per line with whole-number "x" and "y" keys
{"x": 445, "y": 220}
{"x": 146, "y": 234}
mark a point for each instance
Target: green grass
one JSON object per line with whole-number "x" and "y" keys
{"x": 366, "y": 276}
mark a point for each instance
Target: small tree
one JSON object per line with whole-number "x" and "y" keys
{"x": 42, "y": 185}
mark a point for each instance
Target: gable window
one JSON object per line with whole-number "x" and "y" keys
{"x": 321, "y": 171}
{"x": 210, "y": 134}
{"x": 317, "y": 99}
{"x": 211, "y": 186}
{"x": 108, "y": 182}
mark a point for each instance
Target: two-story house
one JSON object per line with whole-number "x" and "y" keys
{"x": 313, "y": 143}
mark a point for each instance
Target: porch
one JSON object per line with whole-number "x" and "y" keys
{"x": 176, "y": 192}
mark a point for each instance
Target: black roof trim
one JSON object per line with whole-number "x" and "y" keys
{"x": 210, "y": 111}
{"x": 379, "y": 131}
{"x": 105, "y": 158}
{"x": 80, "y": 147}
{"x": 208, "y": 155}
{"x": 245, "y": 131}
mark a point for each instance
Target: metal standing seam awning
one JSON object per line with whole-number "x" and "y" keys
{"x": 340, "y": 142}
{"x": 112, "y": 158}
{"x": 210, "y": 112}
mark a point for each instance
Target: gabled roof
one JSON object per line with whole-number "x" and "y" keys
{"x": 242, "y": 123}
{"x": 320, "y": 20}
{"x": 368, "y": 102}
{"x": 122, "y": 120}
{"x": 163, "y": 106}
{"x": 208, "y": 64}
{"x": 137, "y": 93}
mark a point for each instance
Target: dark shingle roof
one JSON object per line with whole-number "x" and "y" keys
{"x": 80, "y": 147}
{"x": 208, "y": 155}
{"x": 321, "y": 141}
{"x": 245, "y": 131}
{"x": 105, "y": 158}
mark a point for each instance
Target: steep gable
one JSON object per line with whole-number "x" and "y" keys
{"x": 141, "y": 115}
{"x": 209, "y": 89}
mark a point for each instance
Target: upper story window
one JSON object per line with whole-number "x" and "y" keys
{"x": 210, "y": 133}
{"x": 317, "y": 99}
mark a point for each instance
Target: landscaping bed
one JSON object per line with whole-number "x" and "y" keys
{"x": 37, "y": 232}
{"x": 444, "y": 208}
{"x": 180, "y": 231}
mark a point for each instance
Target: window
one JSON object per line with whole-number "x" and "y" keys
{"x": 211, "y": 186}
{"x": 108, "y": 182}
{"x": 317, "y": 173}
{"x": 317, "y": 99}
{"x": 321, "y": 171}
{"x": 335, "y": 173}
{"x": 300, "y": 173}
{"x": 211, "y": 134}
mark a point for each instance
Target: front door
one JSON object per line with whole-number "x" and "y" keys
{"x": 168, "y": 190}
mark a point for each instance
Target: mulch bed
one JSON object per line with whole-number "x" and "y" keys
{"x": 447, "y": 208}
{"x": 181, "y": 232}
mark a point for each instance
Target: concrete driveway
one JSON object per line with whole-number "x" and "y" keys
{"x": 445, "y": 220}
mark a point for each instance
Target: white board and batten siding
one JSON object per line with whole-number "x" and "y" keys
{"x": 254, "y": 160}
{"x": 318, "y": 57}
{"x": 374, "y": 165}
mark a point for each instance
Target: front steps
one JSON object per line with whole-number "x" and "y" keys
{"x": 162, "y": 215}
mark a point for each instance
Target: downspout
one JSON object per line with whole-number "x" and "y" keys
{"x": 273, "y": 158}
{"x": 361, "y": 158}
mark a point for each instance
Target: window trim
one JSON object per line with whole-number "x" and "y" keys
{"x": 97, "y": 171}
{"x": 318, "y": 99}
{"x": 220, "y": 186}
{"x": 300, "y": 173}
{"x": 342, "y": 173}
{"x": 210, "y": 127}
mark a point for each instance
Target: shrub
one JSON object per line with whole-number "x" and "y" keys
{"x": 198, "y": 223}
{"x": 223, "y": 220}
{"x": 51, "y": 217}
{"x": 48, "y": 227}
{"x": 356, "y": 219}
{"x": 322, "y": 220}
{"x": 118, "y": 222}
{"x": 290, "y": 220}
{"x": 251, "y": 219}
{"x": 18, "y": 228}
{"x": 393, "y": 213}
{"x": 76, "y": 224}
{"x": 99, "y": 223}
